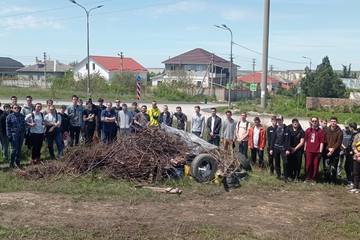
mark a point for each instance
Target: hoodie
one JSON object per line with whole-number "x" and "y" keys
{"x": 333, "y": 137}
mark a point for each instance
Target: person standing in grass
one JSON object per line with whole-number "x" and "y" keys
{"x": 75, "y": 115}
{"x": 53, "y": 132}
{"x": 89, "y": 118}
{"x": 356, "y": 164}
{"x": 28, "y": 106}
{"x": 4, "y": 140}
{"x": 15, "y": 130}
{"x": 124, "y": 118}
{"x": 297, "y": 138}
{"x": 270, "y": 134}
{"x": 108, "y": 119}
{"x": 64, "y": 126}
{"x": 154, "y": 114}
{"x": 228, "y": 131}
{"x": 242, "y": 134}
{"x": 181, "y": 119}
{"x": 166, "y": 117}
{"x": 257, "y": 142}
{"x": 36, "y": 123}
{"x": 333, "y": 139}
{"x": 313, "y": 147}
{"x": 280, "y": 148}
{"x": 198, "y": 123}
{"x": 213, "y": 125}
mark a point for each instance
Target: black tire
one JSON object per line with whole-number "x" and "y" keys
{"x": 204, "y": 167}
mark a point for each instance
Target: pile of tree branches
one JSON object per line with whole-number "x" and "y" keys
{"x": 145, "y": 156}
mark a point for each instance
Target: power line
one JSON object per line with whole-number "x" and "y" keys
{"x": 46, "y": 10}
{"x": 274, "y": 58}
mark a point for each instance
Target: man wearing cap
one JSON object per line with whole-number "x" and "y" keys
{"x": 269, "y": 134}
{"x": 297, "y": 136}
{"x": 280, "y": 147}
{"x": 257, "y": 142}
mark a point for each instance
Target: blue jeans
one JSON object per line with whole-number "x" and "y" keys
{"x": 16, "y": 141}
{"x": 4, "y": 140}
{"x": 57, "y": 138}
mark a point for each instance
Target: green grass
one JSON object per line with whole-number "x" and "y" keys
{"x": 295, "y": 107}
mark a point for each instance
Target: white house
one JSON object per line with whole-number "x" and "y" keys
{"x": 107, "y": 66}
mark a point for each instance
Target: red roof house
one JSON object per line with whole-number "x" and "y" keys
{"x": 107, "y": 66}
{"x": 256, "y": 78}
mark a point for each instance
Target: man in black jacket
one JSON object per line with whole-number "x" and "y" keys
{"x": 280, "y": 147}
{"x": 3, "y": 137}
{"x": 213, "y": 125}
{"x": 269, "y": 135}
{"x": 165, "y": 117}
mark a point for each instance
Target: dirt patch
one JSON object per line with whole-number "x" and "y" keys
{"x": 257, "y": 215}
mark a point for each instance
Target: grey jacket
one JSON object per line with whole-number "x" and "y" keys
{"x": 228, "y": 129}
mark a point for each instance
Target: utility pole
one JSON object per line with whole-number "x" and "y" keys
{"x": 224, "y": 27}
{"x": 253, "y": 74}
{"x": 265, "y": 52}
{"x": 45, "y": 68}
{"x": 121, "y": 55}
{"x": 271, "y": 72}
{"x": 87, "y": 11}
{"x": 309, "y": 61}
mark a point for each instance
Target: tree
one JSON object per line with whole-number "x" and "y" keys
{"x": 346, "y": 73}
{"x": 323, "y": 82}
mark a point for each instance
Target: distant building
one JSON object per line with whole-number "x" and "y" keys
{"x": 273, "y": 83}
{"x": 351, "y": 83}
{"x": 8, "y": 68}
{"x": 156, "y": 71}
{"x": 35, "y": 74}
{"x": 201, "y": 67}
{"x": 107, "y": 67}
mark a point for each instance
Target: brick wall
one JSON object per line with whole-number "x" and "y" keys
{"x": 317, "y": 102}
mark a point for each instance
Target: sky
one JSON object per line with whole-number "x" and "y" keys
{"x": 151, "y": 31}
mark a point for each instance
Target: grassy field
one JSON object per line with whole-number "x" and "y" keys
{"x": 295, "y": 107}
{"x": 93, "y": 207}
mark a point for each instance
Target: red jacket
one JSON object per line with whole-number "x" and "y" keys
{"x": 262, "y": 137}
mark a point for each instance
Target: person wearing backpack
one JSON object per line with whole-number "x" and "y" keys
{"x": 53, "y": 132}
{"x": 241, "y": 131}
{"x": 35, "y": 121}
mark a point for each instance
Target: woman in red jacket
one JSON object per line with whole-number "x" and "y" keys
{"x": 257, "y": 141}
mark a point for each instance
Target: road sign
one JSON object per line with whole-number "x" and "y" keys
{"x": 253, "y": 87}
{"x": 228, "y": 86}
{"x": 138, "y": 77}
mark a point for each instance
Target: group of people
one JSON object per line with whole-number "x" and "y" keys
{"x": 286, "y": 145}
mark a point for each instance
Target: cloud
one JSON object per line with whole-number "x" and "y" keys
{"x": 29, "y": 22}
{"x": 9, "y": 10}
{"x": 237, "y": 14}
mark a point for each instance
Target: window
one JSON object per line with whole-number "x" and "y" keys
{"x": 93, "y": 66}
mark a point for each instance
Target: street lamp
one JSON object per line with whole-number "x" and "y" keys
{"x": 224, "y": 27}
{"x": 87, "y": 11}
{"x": 309, "y": 60}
